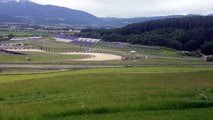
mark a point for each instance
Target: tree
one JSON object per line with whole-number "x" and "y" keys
{"x": 186, "y": 33}
{"x": 10, "y": 36}
{"x": 207, "y": 48}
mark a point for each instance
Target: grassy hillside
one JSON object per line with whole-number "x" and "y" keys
{"x": 152, "y": 93}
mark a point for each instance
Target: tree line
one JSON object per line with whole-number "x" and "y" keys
{"x": 6, "y": 37}
{"x": 190, "y": 33}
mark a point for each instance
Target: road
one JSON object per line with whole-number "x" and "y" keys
{"x": 57, "y": 66}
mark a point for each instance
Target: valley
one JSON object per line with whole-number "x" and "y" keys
{"x": 106, "y": 60}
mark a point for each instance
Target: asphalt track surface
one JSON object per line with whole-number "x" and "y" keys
{"x": 29, "y": 66}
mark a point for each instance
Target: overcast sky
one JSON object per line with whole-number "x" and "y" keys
{"x": 135, "y": 8}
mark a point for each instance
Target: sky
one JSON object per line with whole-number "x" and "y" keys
{"x": 135, "y": 8}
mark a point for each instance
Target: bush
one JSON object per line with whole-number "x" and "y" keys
{"x": 209, "y": 59}
{"x": 2, "y": 99}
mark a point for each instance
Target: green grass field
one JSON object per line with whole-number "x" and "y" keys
{"x": 37, "y": 57}
{"x": 51, "y": 44}
{"x": 20, "y": 34}
{"x": 25, "y": 70}
{"x": 150, "y": 93}
{"x": 141, "y": 50}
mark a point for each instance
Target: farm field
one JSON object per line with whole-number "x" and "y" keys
{"x": 21, "y": 34}
{"x": 152, "y": 93}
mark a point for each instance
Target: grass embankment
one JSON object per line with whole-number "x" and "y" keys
{"x": 50, "y": 44}
{"x": 140, "y": 50}
{"x": 122, "y": 93}
{"x": 9, "y": 71}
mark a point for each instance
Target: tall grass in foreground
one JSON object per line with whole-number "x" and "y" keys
{"x": 109, "y": 110}
{"x": 107, "y": 92}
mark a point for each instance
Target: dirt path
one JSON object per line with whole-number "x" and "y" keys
{"x": 95, "y": 56}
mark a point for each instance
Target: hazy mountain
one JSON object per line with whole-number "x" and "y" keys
{"x": 29, "y": 12}
{"x": 5, "y": 18}
{"x": 126, "y": 21}
{"x": 33, "y": 12}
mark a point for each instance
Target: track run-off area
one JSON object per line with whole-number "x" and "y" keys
{"x": 93, "y": 56}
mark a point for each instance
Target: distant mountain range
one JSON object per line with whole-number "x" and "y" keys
{"x": 127, "y": 21}
{"x": 32, "y": 12}
{"x": 29, "y": 12}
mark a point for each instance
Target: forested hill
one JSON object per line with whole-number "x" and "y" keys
{"x": 186, "y": 23}
{"x": 187, "y": 33}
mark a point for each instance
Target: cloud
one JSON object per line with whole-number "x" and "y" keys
{"x": 135, "y": 8}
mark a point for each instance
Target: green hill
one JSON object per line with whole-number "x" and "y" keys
{"x": 187, "y": 33}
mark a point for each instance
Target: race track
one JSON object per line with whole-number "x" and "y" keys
{"x": 94, "y": 56}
